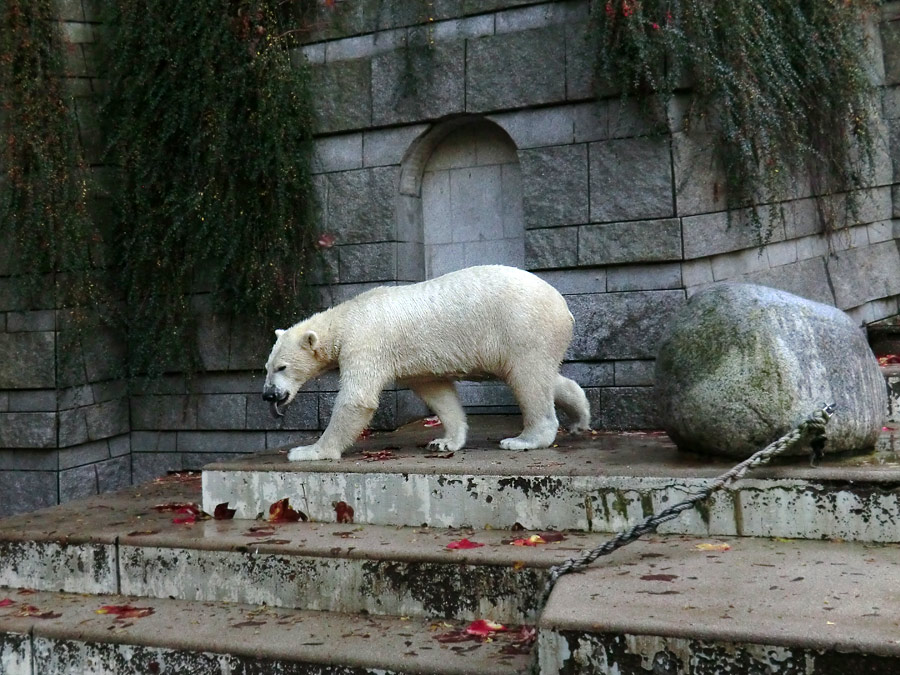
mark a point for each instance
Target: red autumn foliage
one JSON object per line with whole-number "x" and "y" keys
{"x": 282, "y": 512}
{"x": 122, "y": 612}
{"x": 889, "y": 359}
{"x": 178, "y": 507}
{"x": 6, "y": 602}
{"x": 431, "y": 422}
{"x": 482, "y": 628}
{"x": 378, "y": 455}
{"x": 326, "y": 240}
{"x": 222, "y": 512}
{"x": 344, "y": 512}
{"x": 463, "y": 544}
{"x": 34, "y": 613}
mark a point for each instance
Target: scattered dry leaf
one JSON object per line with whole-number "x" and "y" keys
{"x": 34, "y": 613}
{"x": 6, "y": 602}
{"x": 122, "y": 612}
{"x": 463, "y": 544}
{"x": 282, "y": 512}
{"x": 378, "y": 455}
{"x": 484, "y": 628}
{"x": 344, "y": 512}
{"x": 430, "y": 422}
{"x": 712, "y": 547}
{"x": 222, "y": 512}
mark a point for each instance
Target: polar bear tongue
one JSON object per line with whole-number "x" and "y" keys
{"x": 276, "y": 411}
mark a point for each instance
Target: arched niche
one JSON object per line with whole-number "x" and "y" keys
{"x": 461, "y": 198}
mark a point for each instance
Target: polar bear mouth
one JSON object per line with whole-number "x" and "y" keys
{"x": 279, "y": 405}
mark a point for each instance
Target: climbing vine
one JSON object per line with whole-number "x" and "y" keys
{"x": 44, "y": 222}
{"x": 210, "y": 124}
{"x": 782, "y": 85}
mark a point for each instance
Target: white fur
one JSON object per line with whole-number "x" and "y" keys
{"x": 489, "y": 321}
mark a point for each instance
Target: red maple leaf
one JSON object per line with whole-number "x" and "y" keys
{"x": 463, "y": 544}
{"x": 482, "y": 628}
{"x": 222, "y": 512}
{"x": 343, "y": 511}
{"x": 6, "y": 602}
{"x": 122, "y": 612}
{"x": 282, "y": 512}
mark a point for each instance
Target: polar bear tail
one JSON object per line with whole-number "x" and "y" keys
{"x": 571, "y": 399}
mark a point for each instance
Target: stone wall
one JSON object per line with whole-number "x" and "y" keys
{"x": 450, "y": 132}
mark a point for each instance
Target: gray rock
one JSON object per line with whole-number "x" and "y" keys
{"x": 631, "y": 179}
{"x": 343, "y": 97}
{"x": 555, "y": 182}
{"x": 743, "y": 364}
{"x": 551, "y": 248}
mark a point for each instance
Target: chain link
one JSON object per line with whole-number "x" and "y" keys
{"x": 811, "y": 429}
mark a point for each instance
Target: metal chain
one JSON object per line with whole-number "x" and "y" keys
{"x": 813, "y": 429}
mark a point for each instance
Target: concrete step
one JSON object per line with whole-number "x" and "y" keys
{"x": 763, "y": 606}
{"x": 596, "y": 483}
{"x": 45, "y": 633}
{"x": 120, "y": 544}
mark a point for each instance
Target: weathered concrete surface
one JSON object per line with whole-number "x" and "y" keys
{"x": 742, "y": 364}
{"x": 763, "y": 606}
{"x": 183, "y": 637}
{"x": 602, "y": 482}
{"x": 15, "y": 654}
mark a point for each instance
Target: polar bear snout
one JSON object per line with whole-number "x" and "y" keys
{"x": 273, "y": 394}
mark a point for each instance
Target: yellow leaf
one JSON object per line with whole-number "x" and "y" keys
{"x": 713, "y": 547}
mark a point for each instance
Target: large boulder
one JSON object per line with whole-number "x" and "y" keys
{"x": 743, "y": 364}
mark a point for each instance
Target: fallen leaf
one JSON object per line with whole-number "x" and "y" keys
{"x": 247, "y": 624}
{"x": 122, "y": 612}
{"x": 6, "y": 602}
{"x": 26, "y": 591}
{"x": 712, "y": 547}
{"x": 454, "y": 636}
{"x": 522, "y": 641}
{"x": 259, "y": 532}
{"x": 222, "y": 512}
{"x": 33, "y": 612}
{"x": 484, "y": 628}
{"x": 889, "y": 359}
{"x": 552, "y": 536}
{"x": 463, "y": 544}
{"x": 282, "y": 512}
{"x": 431, "y": 422}
{"x": 533, "y": 540}
{"x": 344, "y": 512}
{"x": 140, "y": 533}
{"x": 326, "y": 240}
{"x": 378, "y": 455}
{"x": 177, "y": 507}
{"x": 659, "y": 577}
{"x": 519, "y": 564}
{"x": 365, "y": 433}
{"x": 441, "y": 455}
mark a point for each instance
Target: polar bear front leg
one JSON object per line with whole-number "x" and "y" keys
{"x": 533, "y": 389}
{"x": 441, "y": 397}
{"x": 346, "y": 424}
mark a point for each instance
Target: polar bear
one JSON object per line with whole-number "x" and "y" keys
{"x": 488, "y": 321}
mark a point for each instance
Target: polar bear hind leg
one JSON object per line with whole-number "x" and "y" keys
{"x": 572, "y": 400}
{"x": 441, "y": 397}
{"x": 534, "y": 389}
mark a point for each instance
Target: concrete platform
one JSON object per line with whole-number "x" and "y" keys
{"x": 787, "y": 607}
{"x": 596, "y": 483}
{"x": 119, "y": 544}
{"x": 62, "y": 634}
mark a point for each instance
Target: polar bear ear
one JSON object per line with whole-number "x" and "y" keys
{"x": 309, "y": 340}
{"x": 279, "y": 332}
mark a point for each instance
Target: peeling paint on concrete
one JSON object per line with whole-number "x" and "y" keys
{"x": 15, "y": 654}
{"x": 56, "y": 566}
{"x": 573, "y": 653}
{"x": 853, "y": 511}
{"x": 382, "y": 587}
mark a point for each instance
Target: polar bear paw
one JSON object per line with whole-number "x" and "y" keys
{"x": 445, "y": 444}
{"x": 305, "y": 453}
{"x": 518, "y": 443}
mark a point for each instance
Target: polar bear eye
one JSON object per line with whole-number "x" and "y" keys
{"x": 280, "y": 368}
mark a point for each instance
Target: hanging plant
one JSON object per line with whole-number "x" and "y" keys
{"x": 783, "y": 85}
{"x": 44, "y": 224}
{"x": 210, "y": 124}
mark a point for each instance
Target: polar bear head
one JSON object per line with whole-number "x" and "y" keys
{"x": 295, "y": 358}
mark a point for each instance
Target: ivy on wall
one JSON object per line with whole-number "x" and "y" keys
{"x": 783, "y": 86}
{"x": 44, "y": 223}
{"x": 211, "y": 125}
